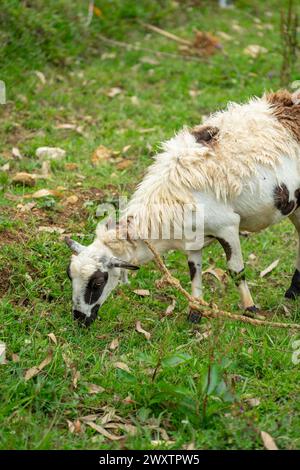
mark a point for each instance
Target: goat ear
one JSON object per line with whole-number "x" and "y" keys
{"x": 75, "y": 246}
{"x": 118, "y": 263}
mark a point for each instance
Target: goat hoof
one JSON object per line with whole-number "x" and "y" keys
{"x": 251, "y": 311}
{"x": 292, "y": 293}
{"x": 194, "y": 316}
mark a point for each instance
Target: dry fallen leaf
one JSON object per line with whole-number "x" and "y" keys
{"x": 71, "y": 166}
{"x": 158, "y": 442}
{"x": 101, "y": 430}
{"x": 51, "y": 229}
{"x": 52, "y": 153}
{"x": 40, "y": 76}
{"x": 253, "y": 402}
{"x": 217, "y": 273}
{"x": 72, "y": 199}
{"x": 139, "y": 329}
{"x": 52, "y": 337}
{"x": 114, "y": 344}
{"x": 134, "y": 100}
{"x": 16, "y": 153}
{"x": 114, "y": 91}
{"x": 142, "y": 292}
{"x": 254, "y": 50}
{"x": 122, "y": 365}
{"x": 26, "y": 207}
{"x": 149, "y": 60}
{"x": 93, "y": 389}
{"x": 24, "y": 178}
{"x": 74, "y": 426}
{"x": 100, "y": 155}
{"x": 15, "y": 357}
{"x": 2, "y": 352}
{"x": 170, "y": 308}
{"x": 128, "y": 400}
{"x": 126, "y": 148}
{"x": 201, "y": 335}
{"x": 269, "y": 268}
{"x": 44, "y": 193}
{"x": 75, "y": 377}
{"x": 5, "y": 167}
{"x": 33, "y": 371}
{"x": 224, "y": 35}
{"x": 124, "y": 164}
{"x": 268, "y": 441}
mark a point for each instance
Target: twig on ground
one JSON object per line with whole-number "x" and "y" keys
{"x": 207, "y": 310}
{"x": 135, "y": 47}
{"x": 168, "y": 35}
{"x": 90, "y": 13}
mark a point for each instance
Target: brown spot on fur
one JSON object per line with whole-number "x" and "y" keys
{"x": 286, "y": 109}
{"x": 192, "y": 269}
{"x": 226, "y": 247}
{"x": 205, "y": 134}
{"x": 281, "y": 199}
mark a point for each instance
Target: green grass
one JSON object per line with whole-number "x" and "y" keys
{"x": 245, "y": 362}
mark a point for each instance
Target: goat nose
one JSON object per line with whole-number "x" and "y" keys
{"x": 79, "y": 316}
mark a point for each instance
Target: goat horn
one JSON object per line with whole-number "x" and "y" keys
{"x": 75, "y": 246}
{"x": 119, "y": 263}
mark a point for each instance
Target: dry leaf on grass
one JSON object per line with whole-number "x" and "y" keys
{"x": 94, "y": 389}
{"x": 71, "y": 166}
{"x": 170, "y": 308}
{"x": 51, "y": 153}
{"x": 74, "y": 426}
{"x": 158, "y": 442}
{"x": 114, "y": 344}
{"x": 149, "y": 60}
{"x": 204, "y": 334}
{"x": 40, "y": 76}
{"x": 2, "y": 352}
{"x": 44, "y": 193}
{"x": 254, "y": 50}
{"x": 24, "y": 178}
{"x": 122, "y": 365}
{"x": 75, "y": 377}
{"x": 16, "y": 153}
{"x": 268, "y": 441}
{"x": 33, "y": 371}
{"x": 134, "y": 100}
{"x": 70, "y": 127}
{"x": 126, "y": 148}
{"x": 124, "y": 164}
{"x": 52, "y": 337}
{"x": 100, "y": 155}
{"x": 217, "y": 273}
{"x": 114, "y": 91}
{"x": 101, "y": 430}
{"x": 15, "y": 357}
{"x": 269, "y": 268}
{"x": 253, "y": 402}
{"x": 72, "y": 199}
{"x": 5, "y": 167}
{"x": 142, "y": 292}
{"x": 139, "y": 329}
{"x": 26, "y": 207}
{"x": 51, "y": 229}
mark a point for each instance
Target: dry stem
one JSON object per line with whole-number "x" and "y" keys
{"x": 207, "y": 310}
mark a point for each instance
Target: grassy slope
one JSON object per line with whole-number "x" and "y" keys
{"x": 36, "y": 292}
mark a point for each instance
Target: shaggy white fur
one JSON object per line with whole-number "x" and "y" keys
{"x": 249, "y": 136}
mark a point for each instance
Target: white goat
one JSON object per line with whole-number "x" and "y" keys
{"x": 242, "y": 168}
